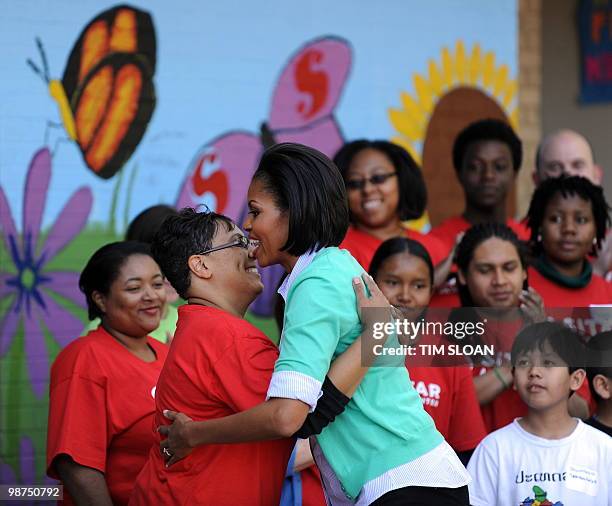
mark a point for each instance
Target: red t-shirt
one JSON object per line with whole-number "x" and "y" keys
{"x": 312, "y": 488}
{"x": 447, "y": 295}
{"x": 447, "y": 230}
{"x": 507, "y": 405}
{"x": 362, "y": 246}
{"x": 218, "y": 365}
{"x": 101, "y": 406}
{"x": 450, "y": 399}
{"x": 572, "y": 304}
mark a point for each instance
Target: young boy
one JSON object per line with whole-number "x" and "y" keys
{"x": 599, "y": 374}
{"x": 547, "y": 457}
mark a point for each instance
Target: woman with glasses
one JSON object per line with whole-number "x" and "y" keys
{"x": 385, "y": 188}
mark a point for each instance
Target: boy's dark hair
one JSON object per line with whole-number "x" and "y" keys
{"x": 599, "y": 350}
{"x": 564, "y": 342}
{"x": 567, "y": 187}
{"x": 103, "y": 268}
{"x": 473, "y": 238}
{"x": 182, "y": 235}
{"x": 308, "y": 186}
{"x": 398, "y": 245}
{"x": 487, "y": 130}
{"x": 144, "y": 227}
{"x": 412, "y": 188}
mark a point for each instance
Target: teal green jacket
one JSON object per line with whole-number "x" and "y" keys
{"x": 384, "y": 425}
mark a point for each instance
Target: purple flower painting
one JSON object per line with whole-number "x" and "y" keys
{"x": 30, "y": 287}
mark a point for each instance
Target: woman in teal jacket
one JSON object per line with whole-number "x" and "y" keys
{"x": 384, "y": 448}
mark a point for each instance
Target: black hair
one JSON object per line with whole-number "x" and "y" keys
{"x": 144, "y": 227}
{"x": 398, "y": 245}
{"x": 182, "y": 235}
{"x": 475, "y": 236}
{"x": 487, "y": 130}
{"x": 599, "y": 350}
{"x": 103, "y": 269}
{"x": 412, "y": 188}
{"x": 567, "y": 187}
{"x": 564, "y": 342}
{"x": 308, "y": 186}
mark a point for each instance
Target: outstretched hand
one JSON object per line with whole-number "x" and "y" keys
{"x": 176, "y": 446}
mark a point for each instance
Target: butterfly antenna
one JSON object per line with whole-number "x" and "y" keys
{"x": 35, "y": 68}
{"x": 43, "y": 55}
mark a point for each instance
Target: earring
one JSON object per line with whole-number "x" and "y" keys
{"x": 539, "y": 238}
{"x": 595, "y": 241}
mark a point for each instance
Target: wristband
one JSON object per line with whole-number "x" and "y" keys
{"x": 500, "y": 378}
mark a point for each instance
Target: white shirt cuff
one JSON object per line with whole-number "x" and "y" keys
{"x": 295, "y": 385}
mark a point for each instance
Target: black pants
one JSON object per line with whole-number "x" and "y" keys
{"x": 425, "y": 496}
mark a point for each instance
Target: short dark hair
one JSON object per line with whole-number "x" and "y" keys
{"x": 599, "y": 350}
{"x": 475, "y": 236}
{"x": 567, "y": 186}
{"x": 412, "y": 188}
{"x": 395, "y": 246}
{"x": 103, "y": 269}
{"x": 487, "y": 130}
{"x": 308, "y": 186}
{"x": 144, "y": 227}
{"x": 181, "y": 236}
{"x": 564, "y": 342}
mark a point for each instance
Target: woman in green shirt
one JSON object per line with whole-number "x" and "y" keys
{"x": 384, "y": 448}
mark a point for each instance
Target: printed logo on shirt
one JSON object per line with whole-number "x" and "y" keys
{"x": 153, "y": 392}
{"x": 539, "y": 498}
{"x": 429, "y": 392}
{"x": 524, "y": 477}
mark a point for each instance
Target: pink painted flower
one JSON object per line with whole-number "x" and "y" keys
{"x": 31, "y": 287}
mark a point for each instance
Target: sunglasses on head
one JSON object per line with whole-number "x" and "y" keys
{"x": 376, "y": 179}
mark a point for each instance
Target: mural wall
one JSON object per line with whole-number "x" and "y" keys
{"x": 109, "y": 109}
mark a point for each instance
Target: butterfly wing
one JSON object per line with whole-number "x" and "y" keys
{"x": 220, "y": 173}
{"x": 122, "y": 29}
{"x": 307, "y": 92}
{"x": 112, "y": 108}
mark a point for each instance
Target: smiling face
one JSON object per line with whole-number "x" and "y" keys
{"x": 267, "y": 225}
{"x": 405, "y": 280}
{"x": 374, "y": 205}
{"x": 542, "y": 378}
{"x": 233, "y": 269}
{"x": 487, "y": 174}
{"x": 495, "y": 275}
{"x": 568, "y": 230}
{"x": 134, "y": 303}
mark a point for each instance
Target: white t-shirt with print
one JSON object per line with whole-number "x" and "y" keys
{"x": 512, "y": 467}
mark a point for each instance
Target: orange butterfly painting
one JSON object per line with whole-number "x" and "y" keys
{"x": 106, "y": 96}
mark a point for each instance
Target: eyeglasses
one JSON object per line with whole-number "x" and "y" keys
{"x": 240, "y": 242}
{"x": 376, "y": 179}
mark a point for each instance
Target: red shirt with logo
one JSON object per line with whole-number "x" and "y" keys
{"x": 573, "y": 305}
{"x": 101, "y": 407}
{"x": 218, "y": 365}
{"x": 450, "y": 399}
{"x": 362, "y": 246}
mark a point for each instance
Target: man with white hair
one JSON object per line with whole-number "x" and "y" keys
{"x": 566, "y": 152}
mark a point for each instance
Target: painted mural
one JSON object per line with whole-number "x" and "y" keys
{"x": 174, "y": 104}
